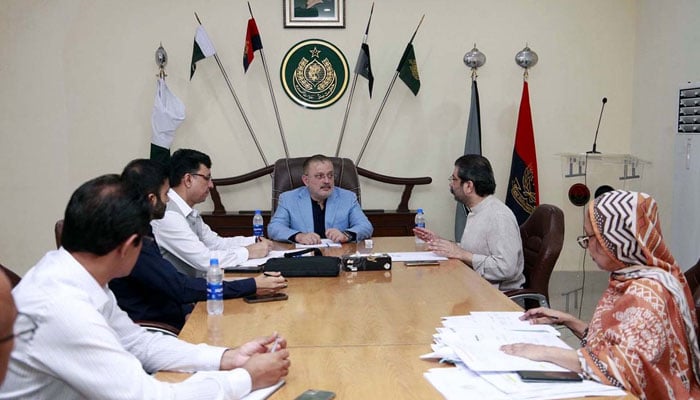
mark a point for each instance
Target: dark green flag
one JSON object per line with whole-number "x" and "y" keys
{"x": 408, "y": 69}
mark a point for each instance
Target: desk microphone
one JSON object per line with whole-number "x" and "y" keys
{"x": 595, "y": 140}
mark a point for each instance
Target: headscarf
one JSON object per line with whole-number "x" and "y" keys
{"x": 627, "y": 225}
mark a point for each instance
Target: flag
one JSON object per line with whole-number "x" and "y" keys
{"x": 363, "y": 66}
{"x": 203, "y": 48}
{"x": 252, "y": 44}
{"x": 472, "y": 145}
{"x": 408, "y": 69}
{"x": 523, "y": 196}
{"x": 167, "y": 115}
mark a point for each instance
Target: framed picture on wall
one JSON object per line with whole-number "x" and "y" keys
{"x": 314, "y": 13}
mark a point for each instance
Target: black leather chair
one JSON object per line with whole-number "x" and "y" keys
{"x": 11, "y": 275}
{"x": 692, "y": 275}
{"x": 543, "y": 238}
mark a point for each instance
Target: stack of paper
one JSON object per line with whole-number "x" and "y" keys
{"x": 472, "y": 342}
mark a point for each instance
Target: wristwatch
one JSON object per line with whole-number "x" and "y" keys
{"x": 350, "y": 235}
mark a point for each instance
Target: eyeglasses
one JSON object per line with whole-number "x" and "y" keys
{"x": 205, "y": 177}
{"x": 319, "y": 177}
{"x": 23, "y": 329}
{"x": 584, "y": 240}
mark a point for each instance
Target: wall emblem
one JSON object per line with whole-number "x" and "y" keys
{"x": 314, "y": 73}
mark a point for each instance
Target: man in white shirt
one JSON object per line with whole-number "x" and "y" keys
{"x": 85, "y": 347}
{"x": 184, "y": 239}
{"x": 491, "y": 242}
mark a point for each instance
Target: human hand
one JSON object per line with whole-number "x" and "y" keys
{"x": 566, "y": 358}
{"x": 544, "y": 315}
{"x": 259, "y": 249}
{"x": 425, "y": 235}
{"x": 446, "y": 248}
{"x": 307, "y": 238}
{"x": 235, "y": 358}
{"x": 526, "y": 350}
{"x": 336, "y": 235}
{"x": 269, "y": 282}
{"x": 266, "y": 369}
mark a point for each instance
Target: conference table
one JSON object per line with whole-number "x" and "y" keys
{"x": 360, "y": 334}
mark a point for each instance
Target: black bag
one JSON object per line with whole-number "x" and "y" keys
{"x": 364, "y": 262}
{"x": 292, "y": 265}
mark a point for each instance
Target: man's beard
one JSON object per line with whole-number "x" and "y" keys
{"x": 158, "y": 210}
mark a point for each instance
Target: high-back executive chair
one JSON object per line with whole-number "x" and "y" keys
{"x": 692, "y": 275}
{"x": 543, "y": 238}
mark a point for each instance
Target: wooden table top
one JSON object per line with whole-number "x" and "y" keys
{"x": 359, "y": 334}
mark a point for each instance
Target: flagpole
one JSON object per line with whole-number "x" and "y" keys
{"x": 272, "y": 94}
{"x": 352, "y": 88}
{"x": 386, "y": 96}
{"x": 238, "y": 103}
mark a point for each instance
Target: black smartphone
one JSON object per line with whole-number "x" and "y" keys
{"x": 549, "y": 376}
{"x": 313, "y": 394}
{"x": 254, "y": 298}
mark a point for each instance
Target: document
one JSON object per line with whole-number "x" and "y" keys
{"x": 404, "y": 256}
{"x": 254, "y": 264}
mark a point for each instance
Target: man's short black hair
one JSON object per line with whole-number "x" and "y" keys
{"x": 313, "y": 159}
{"x": 101, "y": 214}
{"x": 476, "y": 168}
{"x": 186, "y": 161}
{"x": 145, "y": 176}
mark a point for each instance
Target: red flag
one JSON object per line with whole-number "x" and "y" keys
{"x": 523, "y": 194}
{"x": 252, "y": 43}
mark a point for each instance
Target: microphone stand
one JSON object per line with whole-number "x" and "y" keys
{"x": 595, "y": 139}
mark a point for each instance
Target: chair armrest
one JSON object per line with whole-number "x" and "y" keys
{"x": 216, "y": 197}
{"x": 526, "y": 294}
{"x": 408, "y": 183}
{"x": 155, "y": 326}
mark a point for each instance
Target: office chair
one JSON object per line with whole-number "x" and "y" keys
{"x": 11, "y": 275}
{"x": 692, "y": 275}
{"x": 543, "y": 238}
{"x": 288, "y": 171}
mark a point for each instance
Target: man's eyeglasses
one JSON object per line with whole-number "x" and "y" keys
{"x": 329, "y": 175}
{"x": 584, "y": 240}
{"x": 23, "y": 329}
{"x": 205, "y": 177}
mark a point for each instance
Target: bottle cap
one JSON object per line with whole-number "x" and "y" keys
{"x": 420, "y": 211}
{"x": 257, "y": 211}
{"x": 213, "y": 261}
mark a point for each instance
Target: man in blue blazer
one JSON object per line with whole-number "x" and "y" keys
{"x": 318, "y": 209}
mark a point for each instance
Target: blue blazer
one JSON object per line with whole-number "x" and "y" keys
{"x": 294, "y": 214}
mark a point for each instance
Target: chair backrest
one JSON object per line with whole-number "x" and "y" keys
{"x": 13, "y": 277}
{"x": 543, "y": 238}
{"x": 692, "y": 275}
{"x": 288, "y": 171}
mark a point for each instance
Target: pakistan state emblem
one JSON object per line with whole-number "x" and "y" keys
{"x": 314, "y": 73}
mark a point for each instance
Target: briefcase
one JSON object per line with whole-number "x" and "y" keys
{"x": 367, "y": 262}
{"x": 293, "y": 265}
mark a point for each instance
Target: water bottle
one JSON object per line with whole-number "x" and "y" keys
{"x": 420, "y": 223}
{"x": 215, "y": 288}
{"x": 258, "y": 226}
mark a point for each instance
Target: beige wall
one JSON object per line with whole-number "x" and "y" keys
{"x": 78, "y": 80}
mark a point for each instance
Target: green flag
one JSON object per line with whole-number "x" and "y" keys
{"x": 408, "y": 69}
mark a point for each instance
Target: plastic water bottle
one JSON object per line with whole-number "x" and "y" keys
{"x": 258, "y": 226}
{"x": 215, "y": 288}
{"x": 420, "y": 223}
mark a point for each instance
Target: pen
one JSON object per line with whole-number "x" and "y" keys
{"x": 274, "y": 345}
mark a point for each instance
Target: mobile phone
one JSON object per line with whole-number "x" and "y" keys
{"x": 313, "y": 394}
{"x": 549, "y": 376}
{"x": 255, "y": 298}
{"x": 421, "y": 263}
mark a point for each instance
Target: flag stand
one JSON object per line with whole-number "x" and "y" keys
{"x": 386, "y": 96}
{"x": 238, "y": 103}
{"x": 272, "y": 94}
{"x": 352, "y": 88}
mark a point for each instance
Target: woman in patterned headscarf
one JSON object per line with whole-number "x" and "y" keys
{"x": 642, "y": 335}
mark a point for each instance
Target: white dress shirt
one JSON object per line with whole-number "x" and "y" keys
{"x": 187, "y": 242}
{"x": 86, "y": 347}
